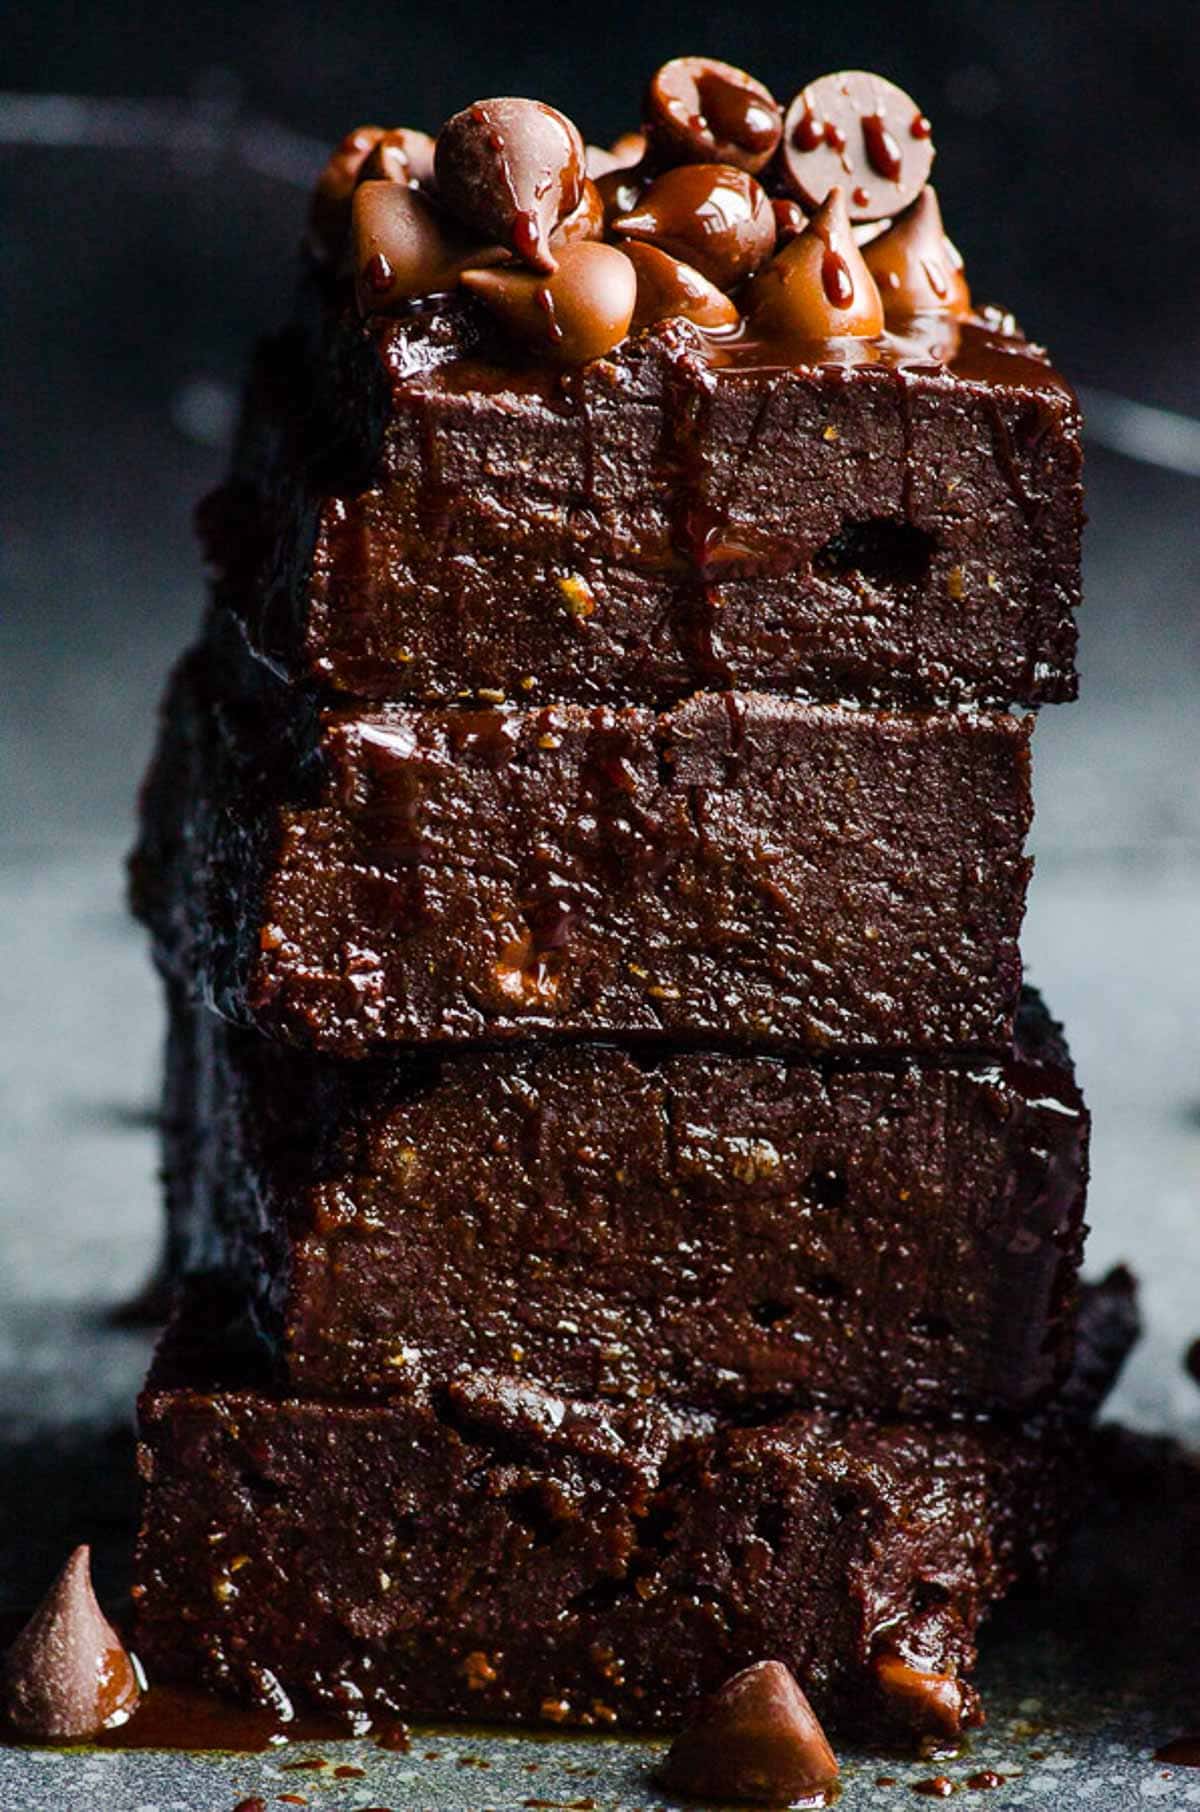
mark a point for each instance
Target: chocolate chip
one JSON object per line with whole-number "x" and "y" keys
{"x": 700, "y": 111}
{"x": 579, "y": 312}
{"x": 401, "y": 154}
{"x": 585, "y": 221}
{"x": 667, "y": 288}
{"x": 859, "y": 131}
{"x": 404, "y": 246}
{"x": 790, "y": 218}
{"x": 757, "y": 1739}
{"x": 621, "y": 190}
{"x": 817, "y": 287}
{"x": 931, "y": 1705}
{"x": 915, "y": 267}
{"x": 68, "y": 1674}
{"x": 329, "y": 209}
{"x": 712, "y": 216}
{"x": 511, "y": 169}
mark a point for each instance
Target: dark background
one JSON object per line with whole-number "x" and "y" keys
{"x": 150, "y": 235}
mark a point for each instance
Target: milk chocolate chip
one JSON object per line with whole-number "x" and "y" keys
{"x": 700, "y": 111}
{"x": 68, "y": 1674}
{"x": 585, "y": 221}
{"x": 401, "y": 154}
{"x": 818, "y": 287}
{"x": 579, "y": 312}
{"x": 916, "y": 269}
{"x": 404, "y": 246}
{"x": 757, "y": 1739}
{"x": 622, "y": 154}
{"x": 712, "y": 216}
{"x": 665, "y": 288}
{"x": 859, "y": 131}
{"x": 932, "y": 1705}
{"x": 512, "y": 170}
{"x": 329, "y": 209}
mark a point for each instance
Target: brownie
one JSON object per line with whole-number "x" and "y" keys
{"x": 898, "y": 521}
{"x": 499, "y": 1552}
{"x": 715, "y": 1230}
{"x": 738, "y": 867}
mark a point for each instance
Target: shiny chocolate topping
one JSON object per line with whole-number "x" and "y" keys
{"x": 712, "y": 216}
{"x": 818, "y": 287}
{"x": 400, "y": 155}
{"x": 757, "y": 1740}
{"x": 861, "y": 132}
{"x": 68, "y": 1674}
{"x": 700, "y": 111}
{"x": 769, "y": 270}
{"x": 579, "y": 312}
{"x": 329, "y": 208}
{"x": 511, "y": 169}
{"x": 915, "y": 267}
{"x": 404, "y": 247}
{"x": 667, "y": 288}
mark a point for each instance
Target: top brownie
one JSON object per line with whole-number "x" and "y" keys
{"x": 754, "y": 456}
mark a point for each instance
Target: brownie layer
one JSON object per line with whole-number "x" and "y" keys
{"x": 717, "y": 1230}
{"x": 739, "y": 868}
{"x": 898, "y": 523}
{"x": 495, "y": 1551}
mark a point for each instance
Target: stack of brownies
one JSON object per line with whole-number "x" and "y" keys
{"x": 631, "y": 1214}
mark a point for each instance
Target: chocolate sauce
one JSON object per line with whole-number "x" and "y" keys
{"x": 808, "y": 132}
{"x": 883, "y": 153}
{"x": 1181, "y": 1752}
{"x": 940, "y": 1786}
{"x": 986, "y": 1777}
{"x": 182, "y": 1717}
{"x": 836, "y": 280}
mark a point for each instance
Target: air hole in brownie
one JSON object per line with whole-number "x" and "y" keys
{"x": 882, "y": 550}
{"x": 928, "y": 1595}
{"x": 769, "y": 1311}
{"x": 825, "y": 1186}
{"x": 932, "y": 1327}
{"x": 827, "y": 1288}
{"x": 770, "y": 1523}
{"x": 538, "y": 1512}
{"x": 603, "y": 1596}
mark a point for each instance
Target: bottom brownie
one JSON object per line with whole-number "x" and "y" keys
{"x": 496, "y": 1552}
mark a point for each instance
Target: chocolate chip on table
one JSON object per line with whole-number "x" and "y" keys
{"x": 666, "y": 287}
{"x": 932, "y": 1705}
{"x": 404, "y": 246}
{"x": 915, "y": 267}
{"x": 68, "y": 1674}
{"x": 701, "y": 111}
{"x": 757, "y": 1739}
{"x": 818, "y": 287}
{"x": 579, "y": 312}
{"x": 712, "y": 216}
{"x": 511, "y": 169}
{"x": 859, "y": 131}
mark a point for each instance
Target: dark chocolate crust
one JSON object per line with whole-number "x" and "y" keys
{"x": 739, "y": 868}
{"x": 497, "y": 1552}
{"x": 714, "y": 1230}
{"x": 419, "y": 518}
